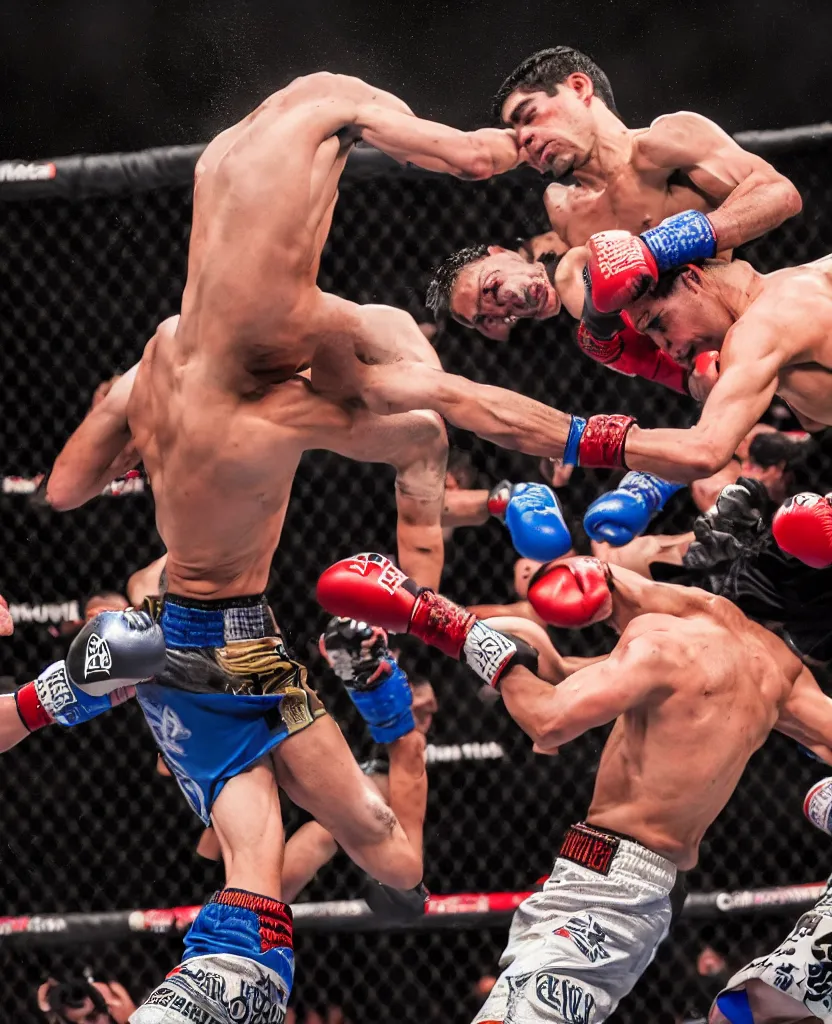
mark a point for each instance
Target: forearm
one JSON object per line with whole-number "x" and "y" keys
{"x": 408, "y": 782}
{"x": 422, "y": 554}
{"x": 757, "y": 205}
{"x": 465, "y": 508}
{"x": 437, "y": 147}
{"x": 531, "y": 702}
{"x": 680, "y": 456}
{"x": 307, "y": 850}
{"x": 12, "y": 729}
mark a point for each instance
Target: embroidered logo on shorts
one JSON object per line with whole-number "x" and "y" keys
{"x": 784, "y": 976}
{"x": 486, "y": 651}
{"x": 585, "y": 932}
{"x": 822, "y": 948}
{"x": 591, "y": 849}
{"x": 572, "y": 1002}
{"x": 97, "y": 657}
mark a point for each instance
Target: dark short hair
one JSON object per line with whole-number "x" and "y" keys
{"x": 667, "y": 281}
{"x": 546, "y": 69}
{"x": 438, "y": 299}
{"x": 774, "y": 448}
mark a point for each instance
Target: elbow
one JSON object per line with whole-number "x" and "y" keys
{"x": 705, "y": 458}
{"x": 59, "y": 493}
{"x": 792, "y": 200}
{"x": 477, "y": 163}
{"x": 547, "y": 733}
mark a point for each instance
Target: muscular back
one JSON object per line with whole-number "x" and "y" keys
{"x": 220, "y": 468}
{"x": 671, "y": 764}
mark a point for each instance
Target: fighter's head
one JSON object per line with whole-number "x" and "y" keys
{"x": 490, "y": 288}
{"x": 553, "y": 99}
{"x": 685, "y": 313}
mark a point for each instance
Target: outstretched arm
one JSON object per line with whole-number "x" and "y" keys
{"x": 637, "y": 671}
{"x": 495, "y": 414}
{"x": 807, "y": 716}
{"x": 99, "y": 450}
{"x": 754, "y": 196}
{"x": 391, "y": 126}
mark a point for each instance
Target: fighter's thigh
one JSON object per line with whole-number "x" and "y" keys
{"x": 771, "y": 1006}
{"x": 318, "y": 772}
{"x": 246, "y": 814}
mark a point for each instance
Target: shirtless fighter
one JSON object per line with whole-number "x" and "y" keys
{"x": 220, "y": 414}
{"x": 694, "y": 689}
{"x": 683, "y": 178}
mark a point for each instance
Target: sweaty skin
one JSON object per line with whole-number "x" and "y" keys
{"x": 774, "y": 335}
{"x": 614, "y": 177}
{"x": 694, "y": 688}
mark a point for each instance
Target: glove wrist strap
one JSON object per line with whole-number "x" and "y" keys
{"x": 30, "y": 709}
{"x": 441, "y": 623}
{"x": 602, "y": 441}
{"x": 683, "y": 238}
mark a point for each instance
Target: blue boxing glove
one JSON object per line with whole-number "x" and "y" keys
{"x": 625, "y": 513}
{"x": 533, "y": 517}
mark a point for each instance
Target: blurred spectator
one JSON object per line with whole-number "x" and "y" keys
{"x": 104, "y": 601}
{"x": 83, "y": 1001}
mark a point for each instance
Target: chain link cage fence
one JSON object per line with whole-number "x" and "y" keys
{"x": 87, "y": 823}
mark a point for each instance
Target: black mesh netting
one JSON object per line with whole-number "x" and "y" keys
{"x": 86, "y": 822}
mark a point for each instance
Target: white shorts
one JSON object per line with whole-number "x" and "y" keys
{"x": 579, "y": 946}
{"x": 800, "y": 967}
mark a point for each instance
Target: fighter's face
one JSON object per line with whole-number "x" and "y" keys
{"x": 493, "y": 293}
{"x": 687, "y": 321}
{"x": 556, "y": 133}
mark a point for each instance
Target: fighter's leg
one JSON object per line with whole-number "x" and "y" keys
{"x": 307, "y": 850}
{"x": 238, "y": 952}
{"x": 317, "y": 770}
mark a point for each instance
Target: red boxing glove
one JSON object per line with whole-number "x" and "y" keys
{"x": 802, "y": 527}
{"x": 573, "y": 593}
{"x": 631, "y": 352}
{"x": 621, "y": 268}
{"x": 704, "y": 376}
{"x": 369, "y": 588}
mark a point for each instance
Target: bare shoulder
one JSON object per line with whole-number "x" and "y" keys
{"x": 653, "y": 635}
{"x": 391, "y": 335}
{"x": 674, "y": 138}
{"x": 556, "y": 200}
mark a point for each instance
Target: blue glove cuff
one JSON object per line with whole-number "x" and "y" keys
{"x": 576, "y": 432}
{"x": 387, "y": 708}
{"x": 653, "y": 489}
{"x": 679, "y": 239}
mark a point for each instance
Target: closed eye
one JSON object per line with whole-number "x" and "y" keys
{"x": 656, "y": 323}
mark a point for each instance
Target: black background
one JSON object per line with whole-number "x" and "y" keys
{"x": 80, "y": 75}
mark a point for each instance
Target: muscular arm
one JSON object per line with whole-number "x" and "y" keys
{"x": 420, "y": 486}
{"x": 754, "y": 196}
{"x": 503, "y": 417}
{"x": 388, "y": 124}
{"x": 637, "y": 671}
{"x": 465, "y": 508}
{"x": 95, "y": 452}
{"x": 751, "y": 360}
{"x": 807, "y": 716}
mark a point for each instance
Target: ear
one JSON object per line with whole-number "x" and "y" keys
{"x": 495, "y": 250}
{"x": 693, "y": 278}
{"x": 581, "y": 85}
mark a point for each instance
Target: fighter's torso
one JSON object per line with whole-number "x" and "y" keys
{"x": 633, "y": 198}
{"x": 801, "y": 298}
{"x": 671, "y": 765}
{"x": 221, "y": 466}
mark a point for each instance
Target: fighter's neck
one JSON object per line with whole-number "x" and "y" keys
{"x": 633, "y": 595}
{"x": 738, "y": 285}
{"x": 613, "y": 150}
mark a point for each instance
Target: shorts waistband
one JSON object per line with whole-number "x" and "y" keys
{"x": 605, "y": 852}
{"x": 187, "y": 622}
